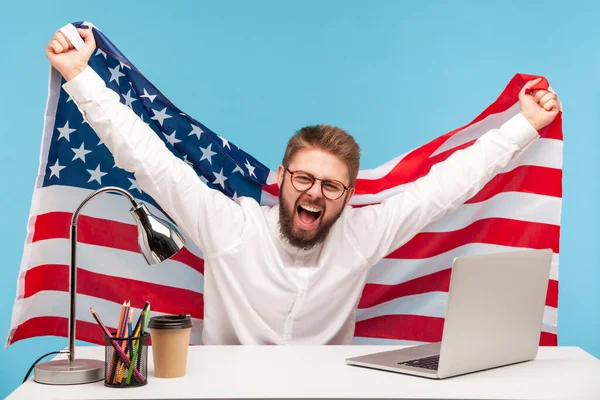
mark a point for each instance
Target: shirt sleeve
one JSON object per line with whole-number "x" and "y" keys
{"x": 377, "y": 230}
{"x": 208, "y": 217}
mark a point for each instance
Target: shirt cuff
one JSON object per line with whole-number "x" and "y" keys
{"x": 83, "y": 86}
{"x": 519, "y": 130}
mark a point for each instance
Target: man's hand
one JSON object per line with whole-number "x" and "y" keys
{"x": 65, "y": 58}
{"x": 540, "y": 107}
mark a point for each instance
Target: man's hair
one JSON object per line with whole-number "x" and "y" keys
{"x": 329, "y": 138}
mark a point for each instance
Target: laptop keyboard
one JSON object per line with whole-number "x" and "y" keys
{"x": 427, "y": 362}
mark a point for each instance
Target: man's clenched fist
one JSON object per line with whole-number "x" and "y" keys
{"x": 539, "y": 107}
{"x": 65, "y": 58}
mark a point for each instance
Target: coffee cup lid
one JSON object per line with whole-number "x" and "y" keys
{"x": 180, "y": 321}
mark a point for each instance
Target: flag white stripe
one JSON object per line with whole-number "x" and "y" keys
{"x": 56, "y": 304}
{"x": 514, "y": 205}
{"x": 115, "y": 262}
{"x": 391, "y": 271}
{"x": 382, "y": 170}
{"x": 359, "y": 340}
{"x": 472, "y": 132}
{"x": 432, "y": 304}
{"x": 54, "y": 79}
{"x": 542, "y": 153}
{"x": 511, "y": 205}
{"x": 465, "y": 135}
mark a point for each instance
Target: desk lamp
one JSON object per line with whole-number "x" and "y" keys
{"x": 158, "y": 240}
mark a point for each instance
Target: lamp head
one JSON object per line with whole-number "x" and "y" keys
{"x": 158, "y": 239}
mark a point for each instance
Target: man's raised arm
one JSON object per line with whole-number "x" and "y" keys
{"x": 379, "y": 229}
{"x": 209, "y": 217}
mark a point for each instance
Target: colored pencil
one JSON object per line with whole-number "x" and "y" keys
{"x": 115, "y": 359}
{"x": 121, "y": 332}
{"x": 136, "y": 345}
{"x": 127, "y": 344}
{"x": 118, "y": 349}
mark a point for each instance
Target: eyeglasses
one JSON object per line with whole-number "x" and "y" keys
{"x": 303, "y": 181}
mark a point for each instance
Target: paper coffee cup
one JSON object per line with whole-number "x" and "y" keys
{"x": 170, "y": 335}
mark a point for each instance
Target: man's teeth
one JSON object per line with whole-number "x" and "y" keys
{"x": 309, "y": 208}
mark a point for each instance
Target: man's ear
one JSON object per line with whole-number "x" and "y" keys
{"x": 349, "y": 196}
{"x": 280, "y": 173}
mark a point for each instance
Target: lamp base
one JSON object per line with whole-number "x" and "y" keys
{"x": 58, "y": 372}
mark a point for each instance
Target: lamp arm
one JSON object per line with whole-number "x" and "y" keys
{"x": 73, "y": 267}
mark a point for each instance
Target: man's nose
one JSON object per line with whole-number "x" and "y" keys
{"x": 315, "y": 190}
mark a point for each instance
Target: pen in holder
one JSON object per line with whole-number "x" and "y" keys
{"x": 126, "y": 360}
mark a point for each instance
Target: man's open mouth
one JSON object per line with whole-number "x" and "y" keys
{"x": 308, "y": 215}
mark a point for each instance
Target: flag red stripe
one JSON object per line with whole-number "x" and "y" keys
{"x": 414, "y": 165}
{"x": 162, "y": 298}
{"x": 401, "y": 327}
{"x": 548, "y": 339}
{"x": 552, "y": 294}
{"x": 375, "y": 293}
{"x": 101, "y": 232}
{"x": 500, "y": 231}
{"x": 398, "y": 327}
{"x": 421, "y": 168}
{"x": 58, "y": 326}
{"x": 416, "y": 328}
{"x": 417, "y": 163}
{"x": 524, "y": 179}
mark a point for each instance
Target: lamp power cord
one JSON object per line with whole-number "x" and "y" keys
{"x": 37, "y": 361}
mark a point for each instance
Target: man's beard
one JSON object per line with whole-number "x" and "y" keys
{"x": 302, "y": 239}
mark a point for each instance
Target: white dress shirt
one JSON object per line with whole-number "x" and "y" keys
{"x": 251, "y": 295}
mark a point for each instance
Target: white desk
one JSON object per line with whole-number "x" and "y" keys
{"x": 267, "y": 372}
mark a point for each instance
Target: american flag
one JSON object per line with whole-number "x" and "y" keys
{"x": 405, "y": 296}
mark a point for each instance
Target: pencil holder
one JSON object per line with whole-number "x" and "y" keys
{"x": 126, "y": 361}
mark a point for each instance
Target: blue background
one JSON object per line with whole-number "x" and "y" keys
{"x": 395, "y": 74}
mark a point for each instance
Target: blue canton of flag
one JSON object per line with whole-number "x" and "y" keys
{"x": 77, "y": 157}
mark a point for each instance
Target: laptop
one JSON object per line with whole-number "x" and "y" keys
{"x": 493, "y": 318}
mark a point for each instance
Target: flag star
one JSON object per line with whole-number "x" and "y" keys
{"x": 160, "y": 116}
{"x": 55, "y": 169}
{"x": 115, "y": 74}
{"x": 123, "y": 65}
{"x": 207, "y": 153}
{"x": 100, "y": 52}
{"x": 196, "y": 131}
{"x": 100, "y": 142}
{"x": 203, "y": 179}
{"x": 225, "y": 142}
{"x": 134, "y": 185}
{"x": 238, "y": 169}
{"x": 65, "y": 131}
{"x": 96, "y": 175}
{"x": 220, "y": 178}
{"x": 151, "y": 97}
{"x": 69, "y": 99}
{"x": 235, "y": 196}
{"x": 172, "y": 139}
{"x": 250, "y": 168}
{"x": 129, "y": 99}
{"x": 80, "y": 153}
